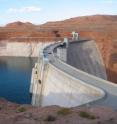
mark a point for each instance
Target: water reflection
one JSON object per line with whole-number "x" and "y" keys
{"x": 15, "y": 74}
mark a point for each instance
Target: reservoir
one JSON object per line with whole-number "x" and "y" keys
{"x": 15, "y": 76}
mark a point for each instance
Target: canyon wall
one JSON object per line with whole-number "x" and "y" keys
{"x": 21, "y": 49}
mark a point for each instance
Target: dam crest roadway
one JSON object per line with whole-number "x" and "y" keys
{"x": 72, "y": 73}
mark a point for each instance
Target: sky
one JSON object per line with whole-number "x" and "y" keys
{"x": 41, "y": 11}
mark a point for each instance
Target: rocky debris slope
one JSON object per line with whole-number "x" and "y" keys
{"x": 11, "y": 113}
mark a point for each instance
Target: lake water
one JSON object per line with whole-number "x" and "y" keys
{"x": 15, "y": 75}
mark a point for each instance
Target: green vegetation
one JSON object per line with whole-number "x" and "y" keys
{"x": 87, "y": 115}
{"x": 21, "y": 109}
{"x": 50, "y": 118}
{"x": 64, "y": 111}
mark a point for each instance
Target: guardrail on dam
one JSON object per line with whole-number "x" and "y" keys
{"x": 71, "y": 74}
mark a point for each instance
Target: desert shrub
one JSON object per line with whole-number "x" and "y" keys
{"x": 21, "y": 109}
{"x": 64, "y": 111}
{"x": 86, "y": 115}
{"x": 50, "y": 118}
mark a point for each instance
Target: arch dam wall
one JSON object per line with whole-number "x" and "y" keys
{"x": 61, "y": 78}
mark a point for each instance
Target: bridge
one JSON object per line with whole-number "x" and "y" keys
{"x": 72, "y": 74}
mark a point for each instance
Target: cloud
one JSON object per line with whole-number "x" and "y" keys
{"x": 28, "y": 9}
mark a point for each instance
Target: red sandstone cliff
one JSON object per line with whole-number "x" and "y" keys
{"x": 101, "y": 28}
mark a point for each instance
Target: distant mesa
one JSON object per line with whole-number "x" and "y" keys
{"x": 19, "y": 24}
{"x": 80, "y": 21}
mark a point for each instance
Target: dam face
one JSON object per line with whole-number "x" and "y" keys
{"x": 61, "y": 89}
{"x": 71, "y": 75}
{"x": 52, "y": 86}
{"x": 86, "y": 57}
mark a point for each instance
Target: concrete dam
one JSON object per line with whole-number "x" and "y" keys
{"x": 69, "y": 74}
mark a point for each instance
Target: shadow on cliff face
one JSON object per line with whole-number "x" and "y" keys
{"x": 112, "y": 75}
{"x": 111, "y": 72}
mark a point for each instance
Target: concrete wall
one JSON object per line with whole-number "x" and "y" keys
{"x": 62, "y": 53}
{"x": 59, "y": 88}
{"x": 58, "y": 83}
{"x": 86, "y": 57}
{"x": 24, "y": 49}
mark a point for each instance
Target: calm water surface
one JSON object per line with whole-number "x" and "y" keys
{"x": 15, "y": 75}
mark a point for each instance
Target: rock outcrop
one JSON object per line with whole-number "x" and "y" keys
{"x": 21, "y": 49}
